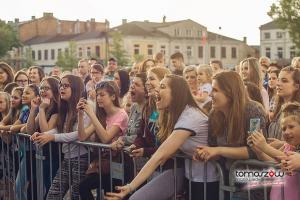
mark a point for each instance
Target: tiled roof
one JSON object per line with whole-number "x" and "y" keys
{"x": 214, "y": 36}
{"x": 60, "y": 38}
{"x": 269, "y": 26}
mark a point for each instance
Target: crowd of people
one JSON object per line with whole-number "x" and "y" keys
{"x": 151, "y": 111}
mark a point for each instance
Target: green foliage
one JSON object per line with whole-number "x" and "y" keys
{"x": 138, "y": 58}
{"x": 287, "y": 14}
{"x": 117, "y": 51}
{"x": 68, "y": 60}
{"x": 8, "y": 38}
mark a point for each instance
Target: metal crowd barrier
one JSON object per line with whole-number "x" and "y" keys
{"x": 11, "y": 162}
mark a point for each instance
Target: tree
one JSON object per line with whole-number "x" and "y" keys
{"x": 118, "y": 50}
{"x": 138, "y": 58}
{"x": 287, "y": 14}
{"x": 67, "y": 60}
{"x": 8, "y": 38}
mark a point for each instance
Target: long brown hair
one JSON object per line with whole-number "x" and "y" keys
{"x": 9, "y": 71}
{"x": 150, "y": 106}
{"x": 112, "y": 89}
{"x": 296, "y": 97}
{"x": 255, "y": 76}
{"x": 69, "y": 107}
{"x": 181, "y": 97}
{"x": 232, "y": 86}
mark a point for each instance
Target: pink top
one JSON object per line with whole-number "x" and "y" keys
{"x": 119, "y": 119}
{"x": 291, "y": 184}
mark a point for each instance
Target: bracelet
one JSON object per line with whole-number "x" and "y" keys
{"x": 130, "y": 188}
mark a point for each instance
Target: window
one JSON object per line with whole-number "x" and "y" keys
{"x": 223, "y": 52}
{"x": 213, "y": 52}
{"x": 58, "y": 52}
{"x": 136, "y": 49}
{"x": 268, "y": 52}
{"x": 233, "y": 52}
{"x": 39, "y": 55}
{"x": 66, "y": 51}
{"x": 200, "y": 34}
{"x": 88, "y": 51}
{"x": 97, "y": 50}
{"x": 292, "y": 52}
{"x": 200, "y": 52}
{"x": 188, "y": 32}
{"x": 33, "y": 54}
{"x": 163, "y": 49}
{"x": 80, "y": 52}
{"x": 189, "y": 51}
{"x": 45, "y": 54}
{"x": 267, "y": 35}
{"x": 52, "y": 54}
{"x": 150, "y": 50}
{"x": 279, "y": 52}
{"x": 176, "y": 32}
{"x": 177, "y": 49}
{"x": 279, "y": 35}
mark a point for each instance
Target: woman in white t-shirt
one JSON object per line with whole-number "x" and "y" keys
{"x": 183, "y": 126}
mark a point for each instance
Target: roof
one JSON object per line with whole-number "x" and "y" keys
{"x": 270, "y": 25}
{"x": 215, "y": 36}
{"x": 62, "y": 38}
{"x": 145, "y": 28}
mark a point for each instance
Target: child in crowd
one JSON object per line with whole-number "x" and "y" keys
{"x": 290, "y": 123}
{"x": 204, "y": 74}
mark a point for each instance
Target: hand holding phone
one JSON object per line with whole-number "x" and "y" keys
{"x": 254, "y": 125}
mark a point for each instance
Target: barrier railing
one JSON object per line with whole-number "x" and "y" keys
{"x": 28, "y": 172}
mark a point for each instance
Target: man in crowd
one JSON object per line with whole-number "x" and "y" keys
{"x": 177, "y": 62}
{"x": 111, "y": 69}
{"x": 84, "y": 72}
{"x": 216, "y": 66}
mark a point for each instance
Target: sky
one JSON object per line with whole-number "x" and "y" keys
{"x": 232, "y": 18}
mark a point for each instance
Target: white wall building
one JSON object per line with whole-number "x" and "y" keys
{"x": 276, "y": 43}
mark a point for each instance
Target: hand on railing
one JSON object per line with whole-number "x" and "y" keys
{"x": 206, "y": 153}
{"x": 290, "y": 162}
{"x": 41, "y": 138}
{"x": 118, "y": 144}
{"x": 123, "y": 192}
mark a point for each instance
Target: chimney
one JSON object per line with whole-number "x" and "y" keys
{"x": 92, "y": 19}
{"x": 164, "y": 19}
{"x": 146, "y": 20}
{"x": 106, "y": 25}
{"x": 124, "y": 21}
{"x": 32, "y": 17}
{"x": 47, "y": 14}
{"x": 88, "y": 26}
{"x": 16, "y": 20}
{"x": 245, "y": 40}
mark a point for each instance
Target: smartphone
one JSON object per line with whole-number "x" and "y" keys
{"x": 127, "y": 150}
{"x": 254, "y": 125}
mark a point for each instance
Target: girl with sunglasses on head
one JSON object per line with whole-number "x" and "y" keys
{"x": 109, "y": 122}
{"x": 71, "y": 88}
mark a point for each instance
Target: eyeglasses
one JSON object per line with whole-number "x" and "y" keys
{"x": 64, "y": 85}
{"x": 45, "y": 88}
{"x": 21, "y": 81}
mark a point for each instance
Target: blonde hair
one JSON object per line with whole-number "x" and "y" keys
{"x": 295, "y": 62}
{"x": 7, "y": 100}
{"x": 189, "y": 69}
{"x": 207, "y": 70}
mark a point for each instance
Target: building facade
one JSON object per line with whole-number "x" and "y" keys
{"x": 197, "y": 44}
{"x": 276, "y": 43}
